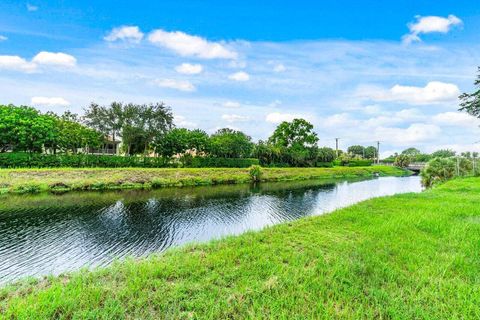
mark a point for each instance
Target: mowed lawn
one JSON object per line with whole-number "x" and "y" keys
{"x": 410, "y": 256}
{"x": 65, "y": 179}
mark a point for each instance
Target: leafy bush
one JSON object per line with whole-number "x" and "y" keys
{"x": 402, "y": 161}
{"x": 255, "y": 173}
{"x": 359, "y": 163}
{"x": 437, "y": 170}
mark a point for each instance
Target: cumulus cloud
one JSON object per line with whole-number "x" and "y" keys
{"x": 181, "y": 121}
{"x": 3, "y": 38}
{"x": 429, "y": 24}
{"x": 187, "y": 68}
{"x": 456, "y": 119}
{"x": 31, "y": 7}
{"x": 275, "y": 103}
{"x": 239, "y": 76}
{"x": 433, "y": 92}
{"x": 175, "y": 84}
{"x": 231, "y": 104}
{"x": 234, "y": 118}
{"x": 277, "y": 117}
{"x": 413, "y": 134}
{"x": 190, "y": 46}
{"x": 16, "y": 63}
{"x": 125, "y": 33}
{"x": 279, "y": 68}
{"x": 54, "y": 59}
{"x": 49, "y": 102}
{"x": 41, "y": 59}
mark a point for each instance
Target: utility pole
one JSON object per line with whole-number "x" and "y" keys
{"x": 378, "y": 152}
{"x": 336, "y": 146}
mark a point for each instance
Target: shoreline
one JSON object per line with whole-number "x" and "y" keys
{"x": 394, "y": 255}
{"x": 19, "y": 181}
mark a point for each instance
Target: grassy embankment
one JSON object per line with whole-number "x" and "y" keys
{"x": 38, "y": 180}
{"x": 410, "y": 256}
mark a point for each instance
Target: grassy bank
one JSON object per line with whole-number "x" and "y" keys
{"x": 38, "y": 180}
{"x": 410, "y": 256}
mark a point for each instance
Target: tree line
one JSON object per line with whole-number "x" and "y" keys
{"x": 148, "y": 129}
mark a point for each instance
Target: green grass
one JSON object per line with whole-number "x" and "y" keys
{"x": 410, "y": 256}
{"x": 67, "y": 179}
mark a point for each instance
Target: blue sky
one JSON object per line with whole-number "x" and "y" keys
{"x": 359, "y": 70}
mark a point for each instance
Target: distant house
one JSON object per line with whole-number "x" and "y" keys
{"x": 110, "y": 147}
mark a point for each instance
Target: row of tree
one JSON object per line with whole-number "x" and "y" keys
{"x": 26, "y": 129}
{"x": 149, "y": 130}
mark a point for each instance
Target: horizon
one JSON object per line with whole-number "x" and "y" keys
{"x": 388, "y": 72}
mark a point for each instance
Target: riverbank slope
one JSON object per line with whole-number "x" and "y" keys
{"x": 407, "y": 256}
{"x": 68, "y": 179}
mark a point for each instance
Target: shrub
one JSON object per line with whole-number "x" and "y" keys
{"x": 359, "y": 163}
{"x": 255, "y": 173}
{"x": 402, "y": 161}
{"x": 437, "y": 170}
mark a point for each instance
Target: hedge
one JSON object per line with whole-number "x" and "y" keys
{"x": 354, "y": 163}
{"x": 359, "y": 163}
{"x": 211, "y": 162}
{"x": 38, "y": 160}
{"x": 324, "y": 164}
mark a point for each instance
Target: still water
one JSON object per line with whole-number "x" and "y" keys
{"x": 51, "y": 234}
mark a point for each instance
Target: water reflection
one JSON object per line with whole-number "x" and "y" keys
{"x": 46, "y": 234}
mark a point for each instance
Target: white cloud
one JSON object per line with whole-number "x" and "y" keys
{"x": 239, "y": 76}
{"x": 31, "y": 7}
{"x": 3, "y": 38}
{"x": 372, "y": 109}
{"x": 279, "y": 68}
{"x": 456, "y": 119}
{"x": 275, "y": 103}
{"x": 339, "y": 120}
{"x": 234, "y": 118}
{"x": 415, "y": 133}
{"x": 430, "y": 24}
{"x": 49, "y": 102}
{"x": 54, "y": 59}
{"x": 187, "y": 68}
{"x": 231, "y": 104}
{"x": 277, "y": 117}
{"x": 433, "y": 92}
{"x": 189, "y": 45}
{"x": 181, "y": 121}
{"x": 125, "y": 33}
{"x": 16, "y": 63}
{"x": 175, "y": 84}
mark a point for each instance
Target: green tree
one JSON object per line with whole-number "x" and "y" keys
{"x": 370, "y": 152}
{"x": 295, "y": 142}
{"x": 356, "y": 150}
{"x": 411, "y": 152}
{"x": 325, "y": 154}
{"x": 298, "y": 132}
{"x": 443, "y": 153}
{"x": 138, "y": 124}
{"x": 180, "y": 140}
{"x": 470, "y": 102}
{"x": 228, "y": 143}
{"x": 402, "y": 161}
{"x": 25, "y": 129}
